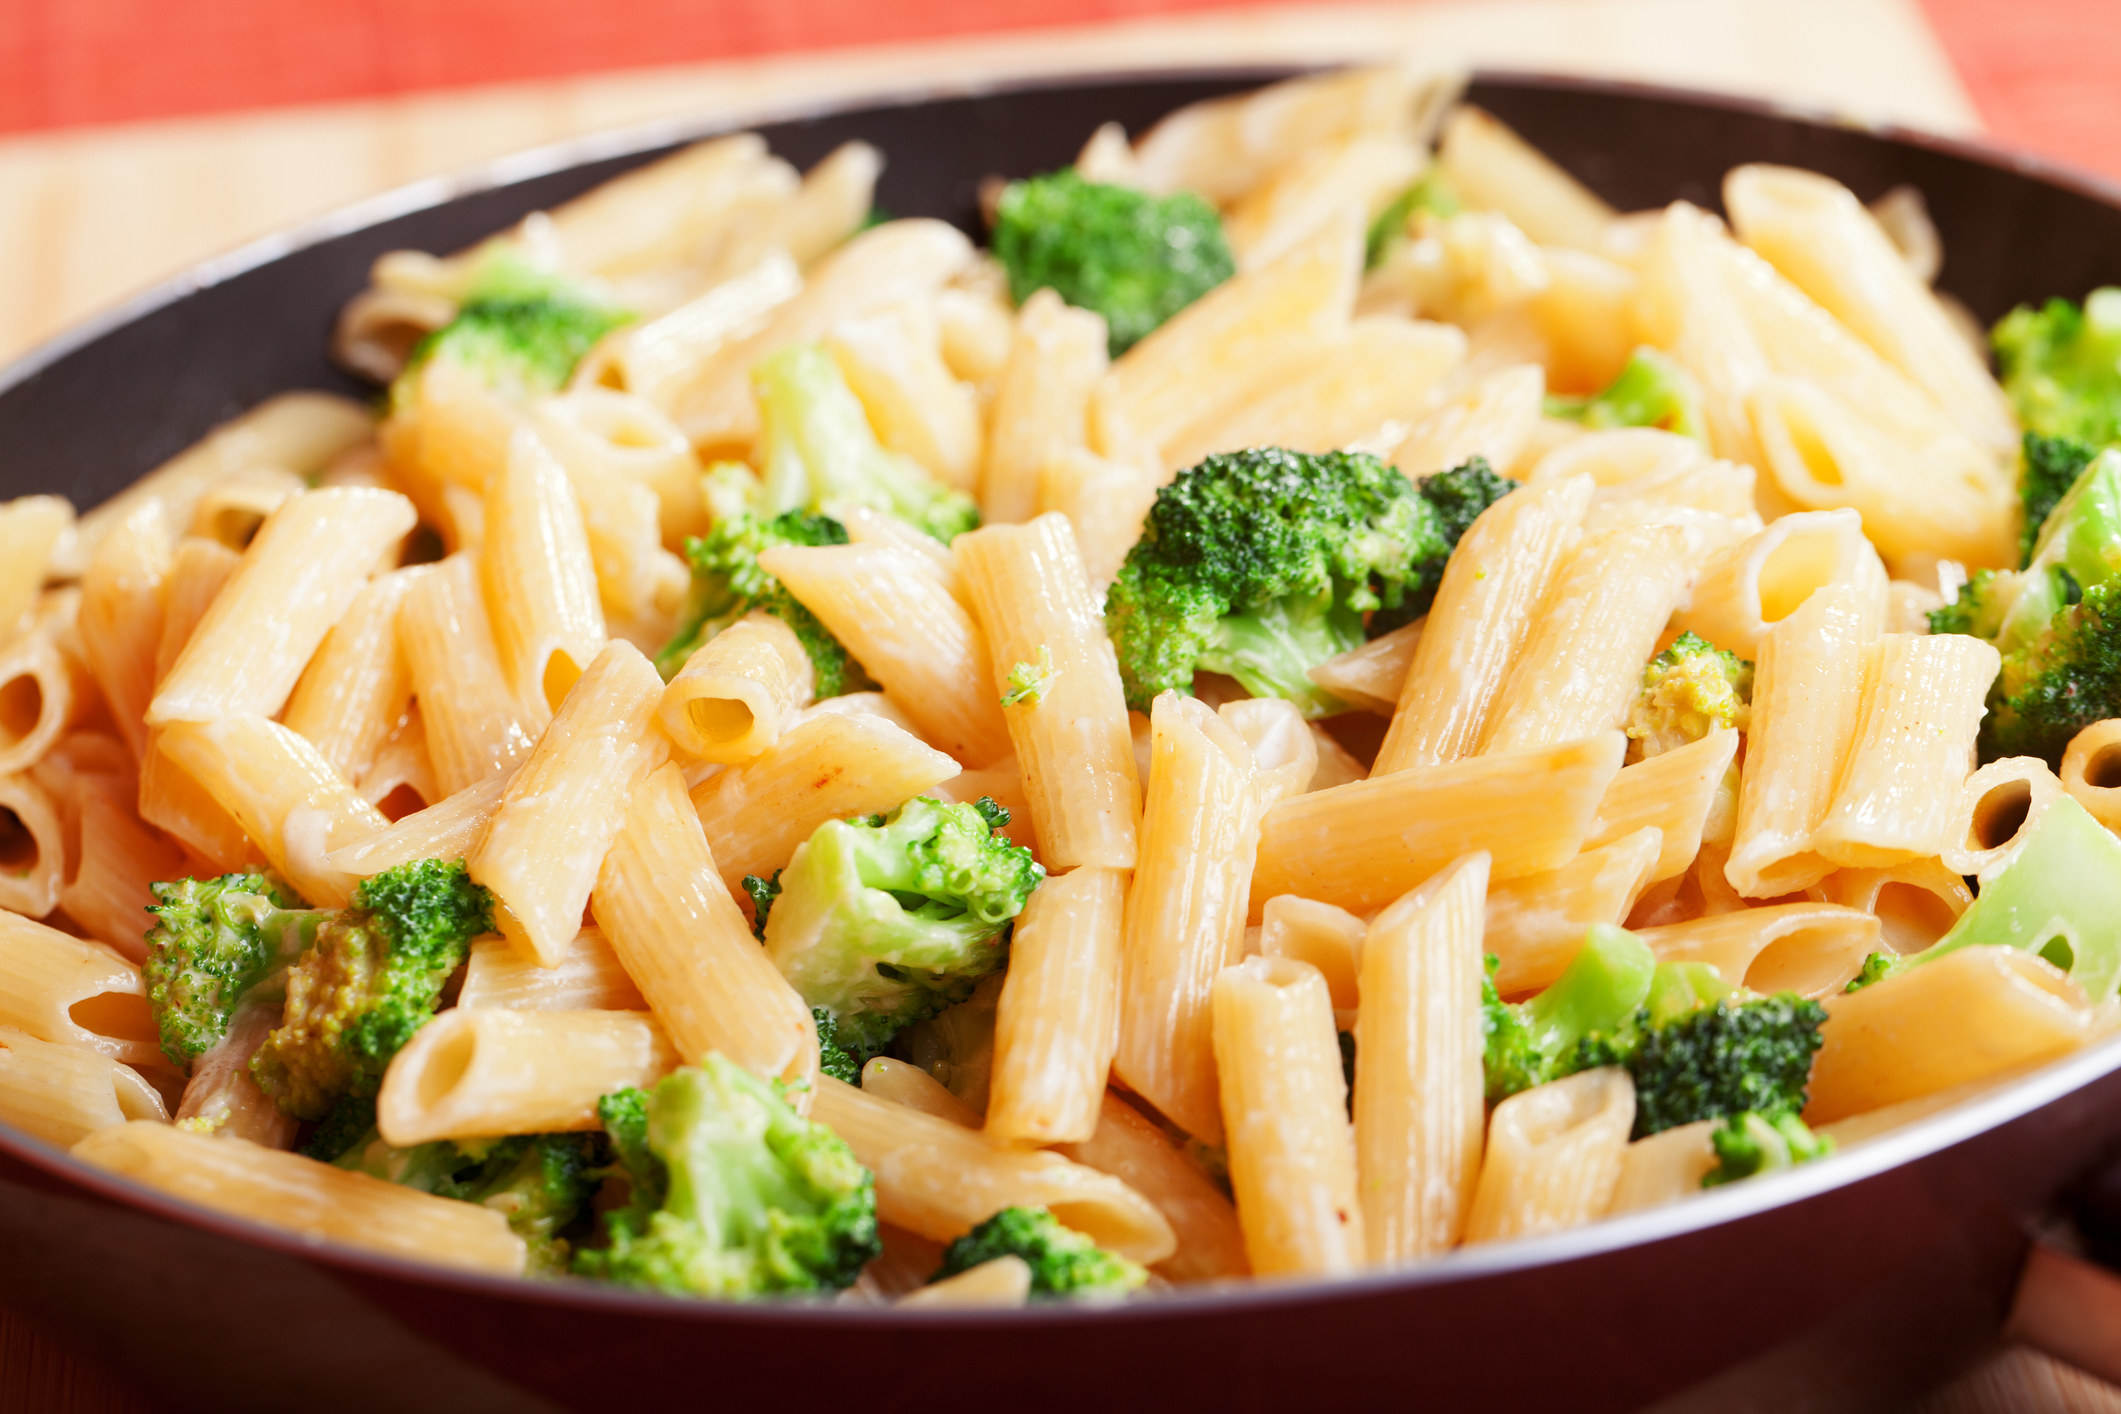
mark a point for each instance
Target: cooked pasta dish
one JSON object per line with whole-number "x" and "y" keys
{"x": 1318, "y": 698}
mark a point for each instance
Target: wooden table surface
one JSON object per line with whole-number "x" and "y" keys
{"x": 89, "y": 215}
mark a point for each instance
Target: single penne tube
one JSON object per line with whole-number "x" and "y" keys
{"x": 283, "y": 793}
{"x": 976, "y": 324}
{"x": 1492, "y": 587}
{"x": 1583, "y": 317}
{"x": 588, "y": 977}
{"x": 1915, "y": 903}
{"x": 1494, "y": 169}
{"x": 474, "y": 1073}
{"x": 834, "y": 201}
{"x": 603, "y": 436}
{"x": 106, "y": 890}
{"x": 904, "y": 1083}
{"x": 1419, "y": 1106}
{"x": 1372, "y": 675}
{"x": 233, "y": 508}
{"x": 312, "y": 1200}
{"x": 1913, "y": 747}
{"x": 61, "y": 989}
{"x": 738, "y": 692}
{"x": 1553, "y": 1157}
{"x": 1041, "y": 404}
{"x": 1493, "y": 418}
{"x": 1211, "y": 1245}
{"x": 1810, "y": 948}
{"x": 1747, "y": 588}
{"x": 868, "y": 526}
{"x": 652, "y": 360}
{"x": 1998, "y": 807}
{"x": 2091, "y": 771}
{"x": 1665, "y": 1167}
{"x": 1195, "y": 365}
{"x": 1057, "y": 1026}
{"x": 831, "y": 766}
{"x": 1535, "y": 923}
{"x": 475, "y": 723}
{"x": 1684, "y": 305}
{"x": 39, "y": 700}
{"x": 1283, "y": 746}
{"x": 902, "y": 1269}
{"x": 451, "y": 828}
{"x": 938, "y": 1179}
{"x": 120, "y": 621}
{"x": 667, "y": 914}
{"x": 546, "y": 841}
{"x": 539, "y": 577}
{"x": 1674, "y": 792}
{"x": 1106, "y": 501}
{"x": 1285, "y": 1115}
{"x": 1328, "y": 938}
{"x": 174, "y": 802}
{"x": 357, "y": 687}
{"x": 31, "y": 528}
{"x": 1581, "y": 664}
{"x": 63, "y": 1094}
{"x": 902, "y": 624}
{"x": 1030, "y": 595}
{"x": 1807, "y": 697}
{"x": 32, "y": 848}
{"x": 1969, "y": 1015}
{"x": 198, "y": 571}
{"x": 1185, "y": 910}
{"x": 309, "y": 561}
{"x": 401, "y": 779}
{"x": 1361, "y": 845}
{"x": 998, "y": 1283}
{"x": 893, "y": 362}
{"x": 1365, "y": 171}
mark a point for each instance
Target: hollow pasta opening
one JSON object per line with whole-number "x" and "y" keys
{"x": 21, "y": 705}
{"x": 2000, "y": 814}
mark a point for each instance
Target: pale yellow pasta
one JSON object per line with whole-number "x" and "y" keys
{"x": 1363, "y": 844}
{"x": 893, "y": 361}
{"x": 1583, "y": 318}
{"x": 1285, "y": 1115}
{"x": 448, "y": 437}
{"x": 1748, "y": 588}
{"x": 474, "y": 1073}
{"x": 354, "y": 691}
{"x": 2089, "y": 771}
{"x": 902, "y": 624}
{"x": 1211, "y": 1245}
{"x": 1553, "y": 1157}
{"x": 1041, "y": 404}
{"x": 540, "y": 581}
{"x": 1914, "y": 745}
{"x": 1492, "y": 168}
{"x": 310, "y": 1199}
{"x": 1493, "y": 418}
{"x": 1997, "y": 808}
{"x": 1028, "y": 590}
{"x": 998, "y": 1283}
{"x": 63, "y": 1094}
{"x": 1915, "y": 903}
{"x": 1186, "y": 910}
{"x": 654, "y": 359}
{"x": 401, "y": 779}
{"x": 662, "y": 904}
{"x": 310, "y": 559}
{"x": 1675, "y": 791}
{"x": 1684, "y": 305}
{"x": 40, "y": 697}
{"x": 1106, "y": 501}
{"x": 868, "y": 526}
{"x": 737, "y": 692}
{"x": 1874, "y": 1124}
{"x": 1328, "y": 938}
{"x": 31, "y": 529}
{"x": 1969, "y": 1014}
{"x": 1665, "y": 1167}
{"x": 1492, "y": 587}
{"x": 1365, "y": 172}
{"x": 830, "y": 767}
{"x": 232, "y": 509}
{"x": 32, "y": 848}
{"x": 121, "y": 615}
{"x": 1581, "y": 663}
{"x": 1812, "y": 948}
{"x": 904, "y": 1083}
{"x": 451, "y": 828}
{"x": 614, "y": 445}
{"x": 175, "y": 803}
{"x": 1284, "y": 747}
{"x": 834, "y": 200}
{"x": 475, "y": 724}
{"x": 105, "y": 889}
{"x": 1536, "y": 923}
{"x": 588, "y": 977}
{"x": 1419, "y": 1108}
{"x": 73, "y": 993}
{"x": 294, "y": 807}
{"x": 544, "y": 845}
{"x": 939, "y": 1179}
{"x": 1372, "y": 674}
{"x": 1057, "y": 1027}
{"x": 1807, "y": 696}
{"x": 975, "y": 328}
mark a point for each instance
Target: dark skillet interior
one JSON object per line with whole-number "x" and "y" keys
{"x": 1847, "y": 1298}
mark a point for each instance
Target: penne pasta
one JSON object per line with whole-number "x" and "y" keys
{"x": 588, "y": 977}
{"x": 1812, "y": 948}
{"x": 1322, "y": 936}
{"x": 121, "y": 615}
{"x": 1915, "y": 904}
{"x": 893, "y": 361}
{"x": 1536, "y": 923}
{"x": 451, "y": 828}
{"x": 1105, "y": 501}
{"x": 1665, "y": 1167}
{"x": 1057, "y": 1027}
{"x": 2089, "y": 771}
{"x": 738, "y": 692}
{"x": 1995, "y": 813}
{"x": 1553, "y": 1158}
{"x": 1041, "y": 403}
{"x": 475, "y": 723}
{"x": 67, "y": 992}
{"x": 353, "y": 693}
{"x": 63, "y": 1094}
{"x": 32, "y": 848}
{"x": 1674, "y": 792}
{"x": 540, "y": 579}
{"x": 474, "y": 1073}
{"x": 1372, "y": 675}
{"x": 1211, "y": 1245}
{"x": 1494, "y": 169}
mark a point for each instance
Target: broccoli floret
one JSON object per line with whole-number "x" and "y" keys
{"x": 763, "y": 892}
{"x": 733, "y": 1194}
{"x": 1732, "y": 1055}
{"x": 1653, "y": 390}
{"x": 1031, "y": 681}
{"x": 1876, "y": 968}
{"x": 371, "y": 978}
{"x": 213, "y": 943}
{"x": 1431, "y": 195}
{"x": 1689, "y": 690}
{"x": 2049, "y": 467}
{"x": 1752, "y": 1143}
{"x": 727, "y": 584}
{"x": 884, "y": 924}
{"x": 820, "y": 453}
{"x": 1063, "y": 1262}
{"x": 834, "y": 1057}
{"x": 1458, "y": 497}
{"x": 1134, "y": 258}
{"x": 2062, "y": 366}
{"x": 1262, "y": 563}
{"x": 520, "y": 329}
{"x": 1584, "y": 1020}
{"x": 1979, "y": 607}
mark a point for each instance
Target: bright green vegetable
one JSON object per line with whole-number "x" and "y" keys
{"x": 1431, "y": 194}
{"x": 1031, "y": 681}
{"x": 1063, "y": 1262}
{"x": 2061, "y": 366}
{"x": 733, "y": 1194}
{"x": 520, "y": 329}
{"x": 1134, "y": 258}
{"x": 1751, "y": 1143}
{"x": 1688, "y": 691}
{"x": 1979, "y": 607}
{"x": 727, "y": 584}
{"x": 1584, "y": 1020}
{"x": 1723, "y": 1059}
{"x": 214, "y": 944}
{"x": 1653, "y": 390}
{"x": 2049, "y": 466}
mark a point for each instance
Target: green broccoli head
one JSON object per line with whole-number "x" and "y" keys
{"x": 1750, "y": 1143}
{"x": 1979, "y": 607}
{"x": 2061, "y": 366}
{"x": 762, "y": 892}
{"x": 1063, "y": 1262}
{"x": 1586, "y": 1019}
{"x": 213, "y": 942}
{"x": 1262, "y": 563}
{"x": 820, "y": 454}
{"x": 1653, "y": 390}
{"x": 841, "y": 1058}
{"x": 1876, "y": 968}
{"x": 734, "y": 1195}
{"x": 883, "y": 924}
{"x": 2068, "y": 677}
{"x": 1689, "y": 690}
{"x": 522, "y": 330}
{"x": 1431, "y": 195}
{"x": 1458, "y": 497}
{"x": 2049, "y": 466}
{"x": 371, "y": 978}
{"x": 1134, "y": 258}
{"x": 1732, "y": 1055}
{"x": 727, "y": 584}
